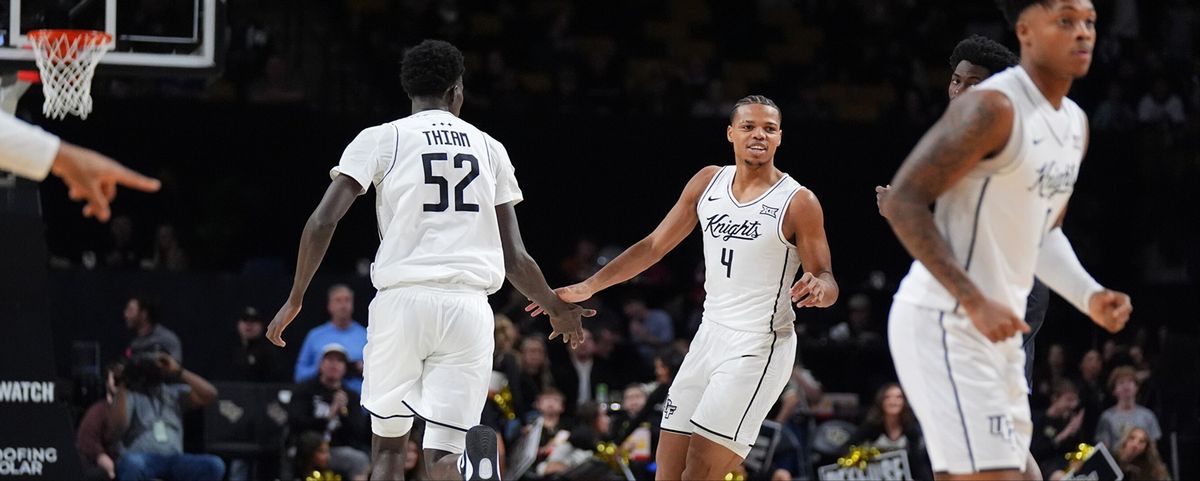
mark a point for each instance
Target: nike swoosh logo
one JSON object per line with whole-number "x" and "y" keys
{"x": 1038, "y": 141}
{"x": 710, "y": 199}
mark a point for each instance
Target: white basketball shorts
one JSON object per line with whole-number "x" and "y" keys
{"x": 428, "y": 355}
{"x": 968, "y": 393}
{"x": 727, "y": 384}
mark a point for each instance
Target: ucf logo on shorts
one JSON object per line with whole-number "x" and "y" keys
{"x": 669, "y": 409}
{"x": 1001, "y": 426}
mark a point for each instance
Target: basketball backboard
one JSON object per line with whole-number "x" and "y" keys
{"x": 151, "y": 36}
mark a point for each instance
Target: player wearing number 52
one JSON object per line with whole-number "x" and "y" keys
{"x": 444, "y": 197}
{"x": 759, "y": 227}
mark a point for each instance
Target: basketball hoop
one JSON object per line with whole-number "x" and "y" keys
{"x": 67, "y": 60}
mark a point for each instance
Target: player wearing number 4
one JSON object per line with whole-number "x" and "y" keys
{"x": 444, "y": 197}
{"x": 759, "y": 226}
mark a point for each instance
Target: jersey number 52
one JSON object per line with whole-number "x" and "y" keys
{"x": 460, "y": 205}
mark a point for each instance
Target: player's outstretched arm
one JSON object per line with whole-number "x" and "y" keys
{"x": 313, "y": 244}
{"x": 523, "y": 272}
{"x": 975, "y": 125}
{"x": 806, "y": 223}
{"x": 678, "y": 223}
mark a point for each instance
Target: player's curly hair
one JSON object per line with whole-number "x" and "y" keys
{"x": 984, "y": 52}
{"x": 753, "y": 99}
{"x": 1012, "y": 8}
{"x": 430, "y": 68}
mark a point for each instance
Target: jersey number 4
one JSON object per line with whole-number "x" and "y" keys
{"x": 443, "y": 204}
{"x": 727, "y": 261}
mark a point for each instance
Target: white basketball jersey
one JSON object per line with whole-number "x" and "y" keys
{"x": 749, "y": 266}
{"x": 437, "y": 181}
{"x": 995, "y": 218}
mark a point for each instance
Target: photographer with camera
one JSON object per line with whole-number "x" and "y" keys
{"x": 146, "y": 420}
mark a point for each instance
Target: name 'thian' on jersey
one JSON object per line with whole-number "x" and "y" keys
{"x": 749, "y": 266}
{"x": 437, "y": 180}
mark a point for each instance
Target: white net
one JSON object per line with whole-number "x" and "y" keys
{"x": 67, "y": 60}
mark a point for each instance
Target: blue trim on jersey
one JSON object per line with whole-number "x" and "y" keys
{"x": 711, "y": 431}
{"x": 957, "y": 402}
{"x": 430, "y": 421}
{"x": 766, "y": 367}
{"x": 974, "y": 231}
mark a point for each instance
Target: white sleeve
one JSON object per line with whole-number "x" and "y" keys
{"x": 1059, "y": 268}
{"x": 361, "y": 160}
{"x": 26, "y": 150}
{"x": 507, "y": 189}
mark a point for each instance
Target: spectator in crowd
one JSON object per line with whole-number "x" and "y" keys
{"x": 857, "y": 326}
{"x": 341, "y": 329}
{"x": 591, "y": 428}
{"x": 146, "y": 417}
{"x": 1047, "y": 375}
{"x": 96, "y": 448}
{"x": 255, "y": 360}
{"x": 550, "y": 407}
{"x": 891, "y": 426}
{"x": 535, "y": 372}
{"x": 505, "y": 359}
{"x": 1092, "y": 395}
{"x": 312, "y": 456}
{"x": 326, "y": 404}
{"x": 1058, "y": 429}
{"x": 666, "y": 366}
{"x": 633, "y": 412}
{"x": 414, "y": 461}
{"x": 1113, "y": 114}
{"x": 1127, "y": 414}
{"x": 1137, "y": 456}
{"x": 141, "y": 318}
{"x": 650, "y": 329}
{"x": 168, "y": 255}
{"x": 579, "y": 376}
{"x": 1141, "y": 365}
{"x": 1160, "y": 106}
{"x": 121, "y": 254}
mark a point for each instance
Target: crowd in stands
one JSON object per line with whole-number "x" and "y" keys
{"x": 563, "y": 406}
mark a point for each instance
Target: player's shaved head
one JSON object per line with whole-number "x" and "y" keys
{"x": 431, "y": 68}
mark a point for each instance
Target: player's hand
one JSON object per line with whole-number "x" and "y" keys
{"x": 880, "y": 193}
{"x": 93, "y": 178}
{"x": 1110, "y": 309}
{"x": 568, "y": 323}
{"x": 573, "y": 293}
{"x": 995, "y": 320}
{"x": 286, "y": 314}
{"x": 812, "y": 291}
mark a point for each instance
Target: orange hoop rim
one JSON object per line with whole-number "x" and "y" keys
{"x": 93, "y": 36}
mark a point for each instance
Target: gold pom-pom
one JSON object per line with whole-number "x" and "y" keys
{"x": 858, "y": 456}
{"x": 1081, "y": 453}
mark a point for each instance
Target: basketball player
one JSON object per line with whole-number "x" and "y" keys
{"x": 30, "y": 152}
{"x": 974, "y": 59}
{"x": 759, "y": 226}
{"x": 1000, "y": 165}
{"x": 445, "y": 193}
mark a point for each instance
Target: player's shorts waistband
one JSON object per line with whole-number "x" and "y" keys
{"x": 450, "y": 288}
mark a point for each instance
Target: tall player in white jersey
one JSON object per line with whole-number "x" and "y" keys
{"x": 445, "y": 193}
{"x": 759, "y": 227}
{"x": 999, "y": 166}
